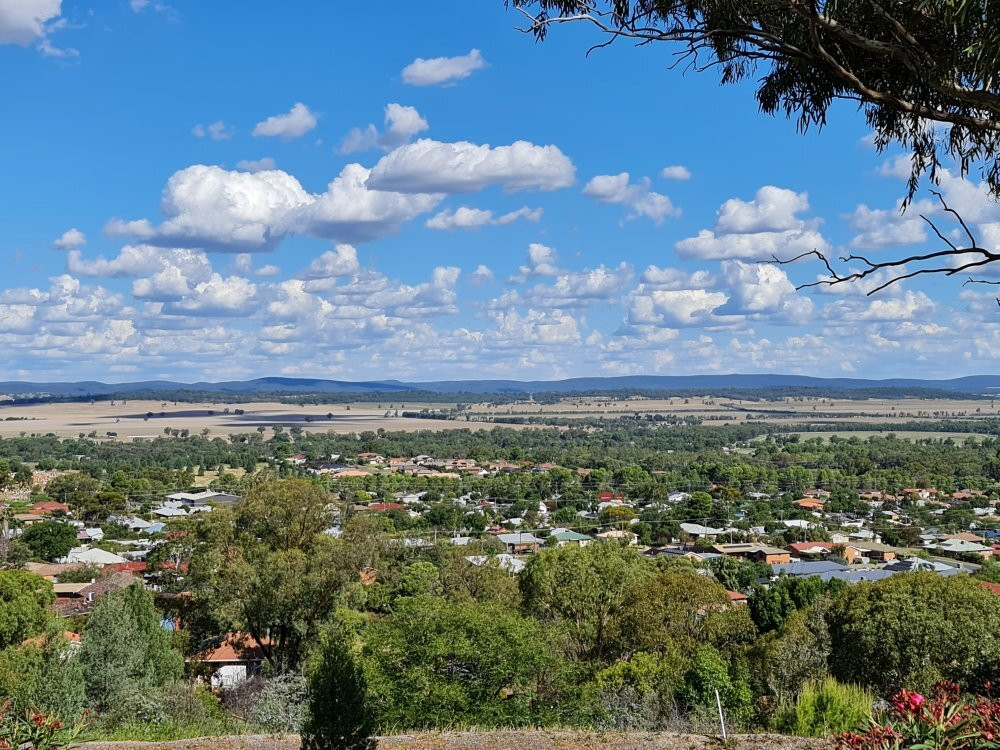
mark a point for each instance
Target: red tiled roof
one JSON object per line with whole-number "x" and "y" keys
{"x": 804, "y": 546}
{"x": 39, "y": 640}
{"x": 49, "y": 506}
{"x": 126, "y": 567}
{"x": 994, "y": 587}
{"x": 386, "y": 506}
{"x": 238, "y": 647}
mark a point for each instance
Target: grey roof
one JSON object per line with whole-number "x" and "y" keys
{"x": 857, "y": 576}
{"x": 525, "y": 538}
{"x": 808, "y": 568}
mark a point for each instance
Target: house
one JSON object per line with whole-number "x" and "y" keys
{"x": 26, "y": 519}
{"x": 808, "y": 568}
{"x": 687, "y": 554}
{"x": 737, "y": 599}
{"x": 79, "y": 598}
{"x": 382, "y": 507}
{"x": 876, "y": 551}
{"x": 51, "y": 571}
{"x": 50, "y": 507}
{"x": 230, "y": 659}
{"x": 93, "y": 556}
{"x": 956, "y": 547}
{"x": 506, "y": 562}
{"x": 810, "y": 503}
{"x": 205, "y": 496}
{"x": 754, "y": 551}
{"x": 168, "y": 512}
{"x": 678, "y": 497}
{"x": 566, "y": 537}
{"x": 698, "y": 531}
{"x": 72, "y": 640}
{"x": 520, "y": 543}
{"x": 810, "y": 549}
{"x": 619, "y": 535}
{"x": 133, "y": 524}
{"x": 917, "y": 564}
{"x": 87, "y": 535}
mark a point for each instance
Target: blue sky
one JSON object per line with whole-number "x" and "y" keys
{"x": 212, "y": 191}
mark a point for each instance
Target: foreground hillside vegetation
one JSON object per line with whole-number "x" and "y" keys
{"x": 376, "y": 622}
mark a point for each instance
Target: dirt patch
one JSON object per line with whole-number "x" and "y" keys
{"x": 522, "y": 740}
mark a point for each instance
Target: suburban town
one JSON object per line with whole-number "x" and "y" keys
{"x": 542, "y": 374}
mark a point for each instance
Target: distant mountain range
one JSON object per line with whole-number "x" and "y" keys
{"x": 975, "y": 384}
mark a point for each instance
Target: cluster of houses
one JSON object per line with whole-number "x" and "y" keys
{"x": 853, "y": 549}
{"x": 367, "y": 464}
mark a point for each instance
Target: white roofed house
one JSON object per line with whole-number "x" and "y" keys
{"x": 520, "y": 543}
{"x": 698, "y": 531}
{"x": 93, "y": 556}
{"x": 168, "y": 512}
{"x": 200, "y": 498}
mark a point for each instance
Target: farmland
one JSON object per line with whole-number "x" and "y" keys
{"x": 138, "y": 419}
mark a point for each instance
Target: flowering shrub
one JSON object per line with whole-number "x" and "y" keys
{"x": 944, "y": 720}
{"x": 32, "y": 730}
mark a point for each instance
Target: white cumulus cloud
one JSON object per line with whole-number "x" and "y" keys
{"x": 438, "y": 70}
{"x": 616, "y": 188}
{"x": 71, "y": 239}
{"x": 464, "y": 217}
{"x": 401, "y": 124}
{"x": 429, "y": 166}
{"x": 768, "y": 225}
{"x": 295, "y": 123}
{"x": 23, "y": 21}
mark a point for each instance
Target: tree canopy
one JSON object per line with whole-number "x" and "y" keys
{"x": 908, "y": 63}
{"x": 923, "y": 72}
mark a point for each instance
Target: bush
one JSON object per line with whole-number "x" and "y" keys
{"x": 176, "y": 711}
{"x": 945, "y": 720}
{"x": 826, "y": 708}
{"x": 339, "y": 716}
{"x": 275, "y": 704}
{"x": 707, "y": 674}
{"x": 281, "y": 706}
{"x": 34, "y": 730}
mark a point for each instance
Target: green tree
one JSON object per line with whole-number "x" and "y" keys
{"x": 434, "y": 663}
{"x": 24, "y": 601}
{"x": 74, "y": 488}
{"x": 678, "y": 610}
{"x": 125, "y": 650}
{"x": 583, "y": 589}
{"x": 771, "y": 606}
{"x": 49, "y": 540}
{"x": 707, "y": 674}
{"x": 266, "y": 567}
{"x": 419, "y": 578}
{"x": 906, "y": 63}
{"x": 737, "y": 574}
{"x": 339, "y": 715}
{"x": 909, "y": 65}
{"x": 913, "y": 630}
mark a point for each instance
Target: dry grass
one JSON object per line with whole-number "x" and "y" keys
{"x": 499, "y": 740}
{"x": 129, "y": 418}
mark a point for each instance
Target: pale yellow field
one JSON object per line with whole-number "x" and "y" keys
{"x": 128, "y": 418}
{"x": 720, "y": 411}
{"x": 143, "y": 419}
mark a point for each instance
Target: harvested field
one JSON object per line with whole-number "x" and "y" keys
{"x": 145, "y": 419}
{"x": 500, "y": 740}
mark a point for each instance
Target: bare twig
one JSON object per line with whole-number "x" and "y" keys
{"x": 972, "y": 256}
